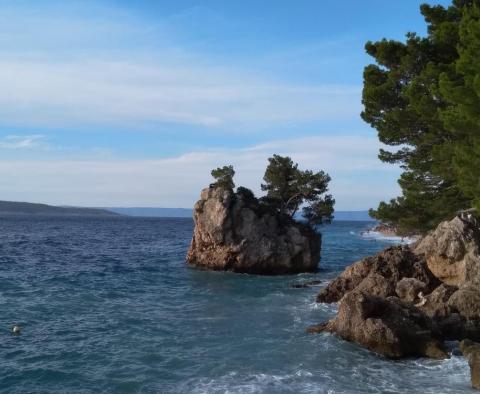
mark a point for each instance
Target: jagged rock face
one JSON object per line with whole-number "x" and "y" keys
{"x": 232, "y": 234}
{"x": 379, "y": 275}
{"x": 452, "y": 250}
{"x": 436, "y": 303}
{"x": 471, "y": 351}
{"x": 408, "y": 289}
{"x": 387, "y": 326}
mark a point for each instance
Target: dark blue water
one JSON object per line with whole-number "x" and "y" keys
{"x": 109, "y": 306}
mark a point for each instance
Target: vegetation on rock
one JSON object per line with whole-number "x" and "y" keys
{"x": 287, "y": 190}
{"x": 224, "y": 177}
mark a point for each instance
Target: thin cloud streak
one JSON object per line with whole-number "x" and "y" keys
{"x": 114, "y": 92}
{"x": 21, "y": 142}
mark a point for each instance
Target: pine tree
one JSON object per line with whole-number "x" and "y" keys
{"x": 404, "y": 101}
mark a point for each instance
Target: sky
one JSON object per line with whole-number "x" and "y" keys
{"x": 132, "y": 103}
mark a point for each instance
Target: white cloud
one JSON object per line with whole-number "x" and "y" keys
{"x": 70, "y": 65}
{"x": 177, "y": 181}
{"x": 113, "y": 92}
{"x": 21, "y": 142}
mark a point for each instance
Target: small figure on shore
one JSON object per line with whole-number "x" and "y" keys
{"x": 16, "y": 330}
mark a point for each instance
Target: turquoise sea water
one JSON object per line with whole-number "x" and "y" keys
{"x": 107, "y": 305}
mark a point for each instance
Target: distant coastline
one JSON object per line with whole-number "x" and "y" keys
{"x": 187, "y": 213}
{"x": 14, "y": 208}
{"x": 11, "y": 208}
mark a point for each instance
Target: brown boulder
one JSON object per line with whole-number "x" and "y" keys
{"x": 452, "y": 250}
{"x": 408, "y": 289}
{"x": 471, "y": 350}
{"x": 235, "y": 234}
{"x": 390, "y": 327}
{"x": 392, "y": 264}
{"x": 466, "y": 301}
{"x": 436, "y": 303}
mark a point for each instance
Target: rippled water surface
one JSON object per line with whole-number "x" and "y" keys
{"x": 108, "y": 305}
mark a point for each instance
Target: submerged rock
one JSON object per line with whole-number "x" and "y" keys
{"x": 304, "y": 285}
{"x": 471, "y": 351}
{"x": 380, "y": 274}
{"x": 387, "y": 326}
{"x": 235, "y": 234}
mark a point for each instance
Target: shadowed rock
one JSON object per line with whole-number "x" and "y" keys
{"x": 466, "y": 301}
{"x": 436, "y": 305}
{"x": 387, "y": 326}
{"x": 471, "y": 351}
{"x": 233, "y": 234}
{"x": 408, "y": 289}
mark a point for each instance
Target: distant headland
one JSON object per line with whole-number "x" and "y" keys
{"x": 26, "y": 208}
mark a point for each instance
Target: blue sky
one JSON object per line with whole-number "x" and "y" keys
{"x": 131, "y": 103}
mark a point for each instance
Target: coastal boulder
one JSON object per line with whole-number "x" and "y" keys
{"x": 471, "y": 350}
{"x": 436, "y": 304}
{"x": 234, "y": 233}
{"x": 466, "y": 301}
{"x": 380, "y": 274}
{"x": 387, "y": 326}
{"x": 452, "y": 250}
{"x": 408, "y": 289}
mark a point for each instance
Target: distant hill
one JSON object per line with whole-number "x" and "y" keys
{"x": 26, "y": 208}
{"x": 187, "y": 213}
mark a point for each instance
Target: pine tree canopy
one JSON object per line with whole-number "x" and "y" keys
{"x": 423, "y": 98}
{"x": 288, "y": 189}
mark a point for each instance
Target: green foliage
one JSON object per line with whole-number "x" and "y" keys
{"x": 460, "y": 85}
{"x": 224, "y": 177}
{"x": 246, "y": 194}
{"x": 412, "y": 97}
{"x": 288, "y": 188}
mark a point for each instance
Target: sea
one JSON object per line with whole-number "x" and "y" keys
{"x": 108, "y": 305}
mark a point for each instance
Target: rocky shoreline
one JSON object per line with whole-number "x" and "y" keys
{"x": 406, "y": 301}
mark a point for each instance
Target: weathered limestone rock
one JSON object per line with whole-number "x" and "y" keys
{"x": 387, "y": 326}
{"x": 234, "y": 234}
{"x": 466, "y": 301}
{"x": 436, "y": 303}
{"x": 452, "y": 250}
{"x": 408, "y": 289}
{"x": 392, "y": 265}
{"x": 471, "y": 351}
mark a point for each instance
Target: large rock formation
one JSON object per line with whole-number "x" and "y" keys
{"x": 437, "y": 288}
{"x": 388, "y": 326}
{"x": 235, "y": 233}
{"x": 452, "y": 250}
{"x": 380, "y": 275}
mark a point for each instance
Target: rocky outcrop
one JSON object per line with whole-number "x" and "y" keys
{"x": 437, "y": 287}
{"x": 380, "y": 275}
{"x": 436, "y": 303}
{"x": 387, "y": 326}
{"x": 471, "y": 351}
{"x": 452, "y": 250}
{"x": 235, "y": 233}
